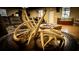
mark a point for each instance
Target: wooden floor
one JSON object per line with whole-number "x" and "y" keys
{"x": 74, "y": 30}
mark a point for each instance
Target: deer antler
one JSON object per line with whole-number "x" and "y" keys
{"x": 34, "y": 29}
{"x": 33, "y": 33}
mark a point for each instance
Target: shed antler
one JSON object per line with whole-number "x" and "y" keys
{"x": 34, "y": 29}
{"x": 34, "y": 32}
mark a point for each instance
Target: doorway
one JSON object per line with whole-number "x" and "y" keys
{"x": 51, "y": 19}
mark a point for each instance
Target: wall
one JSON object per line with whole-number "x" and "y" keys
{"x": 74, "y": 12}
{"x": 34, "y": 13}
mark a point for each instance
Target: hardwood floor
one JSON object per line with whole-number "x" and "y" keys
{"x": 73, "y": 30}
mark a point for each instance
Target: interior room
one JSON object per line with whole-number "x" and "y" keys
{"x": 39, "y": 28}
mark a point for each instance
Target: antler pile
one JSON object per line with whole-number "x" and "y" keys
{"x": 33, "y": 29}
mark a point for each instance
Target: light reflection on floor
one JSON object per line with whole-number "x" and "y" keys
{"x": 65, "y": 30}
{"x": 73, "y": 30}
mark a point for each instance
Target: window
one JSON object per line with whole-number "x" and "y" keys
{"x": 3, "y": 12}
{"x": 65, "y": 12}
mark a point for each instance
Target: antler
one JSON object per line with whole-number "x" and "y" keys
{"x": 34, "y": 29}
{"x": 26, "y": 22}
{"x": 33, "y": 33}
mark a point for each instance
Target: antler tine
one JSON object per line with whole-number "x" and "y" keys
{"x": 36, "y": 29}
{"x": 42, "y": 39}
{"x": 26, "y": 16}
{"x": 14, "y": 33}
